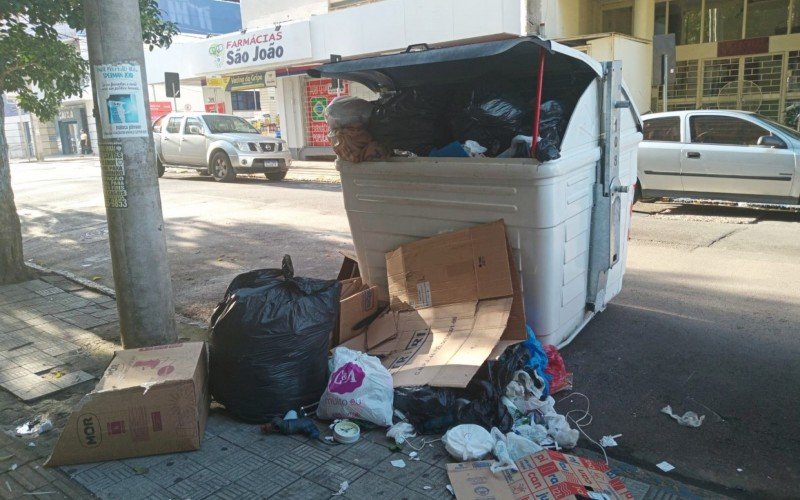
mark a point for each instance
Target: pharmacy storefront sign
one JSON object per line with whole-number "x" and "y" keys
{"x": 276, "y": 45}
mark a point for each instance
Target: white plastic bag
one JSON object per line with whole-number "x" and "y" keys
{"x": 501, "y": 453}
{"x": 520, "y": 447}
{"x": 346, "y": 111}
{"x": 359, "y": 387}
{"x": 467, "y": 442}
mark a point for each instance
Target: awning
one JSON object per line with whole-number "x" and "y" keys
{"x": 517, "y": 58}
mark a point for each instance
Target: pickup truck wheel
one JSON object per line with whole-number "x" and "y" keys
{"x": 159, "y": 167}
{"x": 221, "y": 168}
{"x": 276, "y": 176}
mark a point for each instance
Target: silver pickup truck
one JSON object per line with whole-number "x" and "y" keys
{"x": 218, "y": 145}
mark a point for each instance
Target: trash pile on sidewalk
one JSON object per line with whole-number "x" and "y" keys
{"x": 437, "y": 123}
{"x": 448, "y": 354}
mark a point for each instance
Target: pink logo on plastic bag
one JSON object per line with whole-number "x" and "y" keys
{"x": 346, "y": 379}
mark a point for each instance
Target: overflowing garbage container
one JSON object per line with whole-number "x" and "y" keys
{"x": 524, "y": 130}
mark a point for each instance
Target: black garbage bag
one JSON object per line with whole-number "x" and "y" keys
{"x": 492, "y": 119}
{"x": 269, "y": 342}
{"x": 433, "y": 410}
{"x": 412, "y": 120}
{"x": 552, "y": 125}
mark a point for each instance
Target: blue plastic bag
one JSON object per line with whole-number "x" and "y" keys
{"x": 538, "y": 359}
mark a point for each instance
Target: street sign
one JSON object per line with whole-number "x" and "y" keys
{"x": 172, "y": 82}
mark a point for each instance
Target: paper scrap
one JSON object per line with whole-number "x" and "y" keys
{"x": 665, "y": 466}
{"x": 400, "y": 463}
{"x": 451, "y": 490}
{"x": 609, "y": 441}
{"x": 427, "y": 487}
{"x": 688, "y": 419}
{"x": 342, "y": 488}
{"x": 13, "y": 467}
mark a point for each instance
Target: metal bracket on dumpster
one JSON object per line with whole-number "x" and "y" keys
{"x": 605, "y": 241}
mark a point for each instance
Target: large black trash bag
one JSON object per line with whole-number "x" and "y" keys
{"x": 412, "y": 120}
{"x": 433, "y": 410}
{"x": 491, "y": 119}
{"x": 269, "y": 342}
{"x": 552, "y": 125}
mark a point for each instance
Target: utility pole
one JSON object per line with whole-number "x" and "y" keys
{"x": 130, "y": 183}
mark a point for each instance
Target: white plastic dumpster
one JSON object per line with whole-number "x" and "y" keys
{"x": 567, "y": 219}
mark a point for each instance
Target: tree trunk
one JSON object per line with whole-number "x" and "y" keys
{"x": 12, "y": 264}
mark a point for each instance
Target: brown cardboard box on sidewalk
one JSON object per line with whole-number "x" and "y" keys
{"x": 454, "y": 298}
{"x": 151, "y": 400}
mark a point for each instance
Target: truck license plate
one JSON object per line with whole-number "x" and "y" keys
{"x": 270, "y": 163}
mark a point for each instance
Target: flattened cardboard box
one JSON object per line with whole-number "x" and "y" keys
{"x": 454, "y": 297}
{"x": 150, "y": 401}
{"x": 545, "y": 475}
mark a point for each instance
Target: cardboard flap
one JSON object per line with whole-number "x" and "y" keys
{"x": 151, "y": 365}
{"x": 462, "y": 266}
{"x": 442, "y": 346}
{"x": 355, "y": 309}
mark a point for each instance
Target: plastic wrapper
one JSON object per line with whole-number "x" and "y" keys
{"x": 561, "y": 379}
{"x": 269, "y": 342}
{"x": 433, "y": 410}
{"x": 552, "y": 125}
{"x": 412, "y": 120}
{"x": 345, "y": 111}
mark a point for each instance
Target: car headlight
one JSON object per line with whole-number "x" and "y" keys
{"x": 242, "y": 146}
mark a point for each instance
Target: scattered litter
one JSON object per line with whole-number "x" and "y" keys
{"x": 346, "y": 432}
{"x": 39, "y": 425}
{"x": 9, "y": 487}
{"x": 399, "y": 463}
{"x": 400, "y": 432}
{"x": 427, "y": 487}
{"x": 468, "y": 442}
{"x": 140, "y": 470}
{"x": 562, "y": 379}
{"x": 688, "y": 419}
{"x": 665, "y": 466}
{"x": 329, "y": 439}
{"x": 609, "y": 441}
{"x": 13, "y": 467}
{"x": 413, "y": 454}
{"x": 342, "y": 488}
{"x": 31, "y": 445}
{"x": 451, "y": 490}
{"x": 290, "y": 415}
{"x": 738, "y": 470}
{"x": 293, "y": 426}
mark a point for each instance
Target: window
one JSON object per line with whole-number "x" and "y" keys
{"x": 192, "y": 121}
{"x": 724, "y": 20}
{"x": 157, "y": 124}
{"x": 684, "y": 19}
{"x": 246, "y": 100}
{"x": 663, "y": 129}
{"x": 174, "y": 125}
{"x": 660, "y": 24}
{"x": 221, "y": 124}
{"x": 618, "y": 20}
{"x": 767, "y": 17}
{"x": 711, "y": 129}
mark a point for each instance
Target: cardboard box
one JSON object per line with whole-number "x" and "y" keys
{"x": 544, "y": 475}
{"x": 151, "y": 400}
{"x": 454, "y": 297}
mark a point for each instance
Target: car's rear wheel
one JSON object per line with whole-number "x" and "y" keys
{"x": 221, "y": 168}
{"x": 276, "y": 176}
{"x": 159, "y": 167}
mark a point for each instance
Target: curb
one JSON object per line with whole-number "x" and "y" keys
{"x": 108, "y": 291}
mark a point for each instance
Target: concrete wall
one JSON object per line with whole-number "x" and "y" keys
{"x": 261, "y": 13}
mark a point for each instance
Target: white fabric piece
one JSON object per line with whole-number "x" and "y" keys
{"x": 360, "y": 387}
{"x": 688, "y": 419}
{"x": 467, "y": 442}
{"x": 400, "y": 432}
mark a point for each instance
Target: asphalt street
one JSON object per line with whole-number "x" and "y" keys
{"x": 707, "y": 320}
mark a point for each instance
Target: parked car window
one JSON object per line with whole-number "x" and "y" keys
{"x": 174, "y": 125}
{"x": 711, "y": 129}
{"x": 663, "y": 129}
{"x": 192, "y": 121}
{"x": 221, "y": 124}
{"x": 157, "y": 124}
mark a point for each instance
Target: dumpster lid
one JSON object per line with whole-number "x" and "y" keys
{"x": 432, "y": 66}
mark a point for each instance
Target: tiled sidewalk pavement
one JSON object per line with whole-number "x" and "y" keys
{"x": 235, "y": 459}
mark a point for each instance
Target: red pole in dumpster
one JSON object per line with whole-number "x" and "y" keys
{"x": 537, "y": 112}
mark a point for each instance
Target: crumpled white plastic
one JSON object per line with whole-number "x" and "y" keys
{"x": 504, "y": 460}
{"x": 400, "y": 432}
{"x": 468, "y": 442}
{"x": 473, "y": 148}
{"x": 688, "y": 419}
{"x": 522, "y": 397}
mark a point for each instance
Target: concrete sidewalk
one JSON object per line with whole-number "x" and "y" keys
{"x": 235, "y": 460}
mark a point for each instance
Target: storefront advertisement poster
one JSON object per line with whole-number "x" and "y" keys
{"x": 319, "y": 94}
{"x": 120, "y": 100}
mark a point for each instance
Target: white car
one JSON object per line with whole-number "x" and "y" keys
{"x": 218, "y": 145}
{"x": 726, "y": 155}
